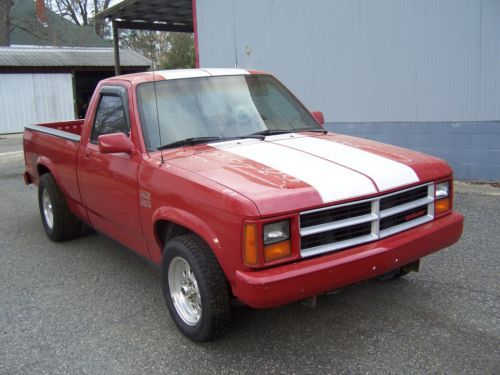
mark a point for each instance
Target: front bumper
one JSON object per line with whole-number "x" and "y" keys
{"x": 309, "y": 277}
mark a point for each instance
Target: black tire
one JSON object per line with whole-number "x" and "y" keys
{"x": 65, "y": 225}
{"x": 213, "y": 288}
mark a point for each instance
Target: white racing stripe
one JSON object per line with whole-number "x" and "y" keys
{"x": 226, "y": 71}
{"x": 387, "y": 174}
{"x": 181, "y": 73}
{"x": 193, "y": 73}
{"x": 332, "y": 182}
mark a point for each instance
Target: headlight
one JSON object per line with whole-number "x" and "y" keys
{"x": 443, "y": 199}
{"x": 276, "y": 232}
{"x": 442, "y": 190}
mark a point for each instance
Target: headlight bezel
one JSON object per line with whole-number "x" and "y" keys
{"x": 276, "y": 249}
{"x": 442, "y": 190}
{"x": 443, "y": 197}
{"x": 271, "y": 232}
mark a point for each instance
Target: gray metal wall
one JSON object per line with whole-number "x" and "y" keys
{"x": 27, "y": 99}
{"x": 471, "y": 148}
{"x": 379, "y": 64}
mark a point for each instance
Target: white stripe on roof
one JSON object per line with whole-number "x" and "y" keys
{"x": 193, "y": 73}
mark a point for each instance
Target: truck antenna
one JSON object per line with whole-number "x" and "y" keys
{"x": 157, "y": 112}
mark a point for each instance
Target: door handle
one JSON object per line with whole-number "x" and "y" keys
{"x": 87, "y": 155}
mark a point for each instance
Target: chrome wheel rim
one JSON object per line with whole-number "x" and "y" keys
{"x": 48, "y": 212}
{"x": 184, "y": 291}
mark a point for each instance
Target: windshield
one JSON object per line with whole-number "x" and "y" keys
{"x": 217, "y": 108}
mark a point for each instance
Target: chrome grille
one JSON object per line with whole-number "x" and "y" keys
{"x": 335, "y": 214}
{"x": 403, "y": 197}
{"x": 336, "y": 235}
{"x": 338, "y": 227}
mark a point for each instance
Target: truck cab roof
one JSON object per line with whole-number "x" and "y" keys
{"x": 161, "y": 75}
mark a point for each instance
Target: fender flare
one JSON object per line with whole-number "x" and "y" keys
{"x": 47, "y": 163}
{"x": 191, "y": 222}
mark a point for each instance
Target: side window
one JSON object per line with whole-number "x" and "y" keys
{"x": 110, "y": 117}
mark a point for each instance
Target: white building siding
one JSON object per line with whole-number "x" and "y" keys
{"x": 33, "y": 98}
{"x": 364, "y": 60}
{"x": 422, "y": 74}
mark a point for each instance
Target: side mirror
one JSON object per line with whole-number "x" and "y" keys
{"x": 114, "y": 143}
{"x": 318, "y": 116}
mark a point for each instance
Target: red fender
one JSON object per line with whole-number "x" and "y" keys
{"x": 47, "y": 163}
{"x": 192, "y": 222}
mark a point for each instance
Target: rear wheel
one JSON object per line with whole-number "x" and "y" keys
{"x": 195, "y": 288}
{"x": 58, "y": 221}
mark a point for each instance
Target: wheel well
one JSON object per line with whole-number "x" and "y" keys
{"x": 42, "y": 169}
{"x": 166, "y": 230}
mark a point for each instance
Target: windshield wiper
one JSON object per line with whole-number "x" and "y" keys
{"x": 284, "y": 131}
{"x": 197, "y": 140}
{"x": 314, "y": 130}
{"x": 189, "y": 142}
{"x": 254, "y": 136}
{"x": 273, "y": 132}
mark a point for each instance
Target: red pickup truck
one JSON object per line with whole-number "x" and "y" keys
{"x": 224, "y": 179}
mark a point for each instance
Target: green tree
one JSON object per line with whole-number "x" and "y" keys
{"x": 5, "y": 6}
{"x": 166, "y": 50}
{"x": 180, "y": 51}
{"x": 151, "y": 44}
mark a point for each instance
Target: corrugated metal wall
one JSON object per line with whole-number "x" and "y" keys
{"x": 365, "y": 60}
{"x": 33, "y": 98}
{"x": 471, "y": 147}
{"x": 375, "y": 64}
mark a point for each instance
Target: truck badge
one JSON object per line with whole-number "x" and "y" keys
{"x": 145, "y": 199}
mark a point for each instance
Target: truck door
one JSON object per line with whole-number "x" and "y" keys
{"x": 108, "y": 182}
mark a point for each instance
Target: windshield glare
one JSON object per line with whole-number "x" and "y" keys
{"x": 223, "y": 106}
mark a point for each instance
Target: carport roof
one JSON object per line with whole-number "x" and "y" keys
{"x": 162, "y": 15}
{"x": 64, "y": 57}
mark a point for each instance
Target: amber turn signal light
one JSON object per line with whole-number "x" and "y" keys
{"x": 442, "y": 205}
{"x": 250, "y": 245}
{"x": 277, "y": 250}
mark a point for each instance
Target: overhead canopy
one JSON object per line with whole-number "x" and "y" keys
{"x": 160, "y": 15}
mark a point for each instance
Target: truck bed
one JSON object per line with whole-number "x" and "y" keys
{"x": 54, "y": 146}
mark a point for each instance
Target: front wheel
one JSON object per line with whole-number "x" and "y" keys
{"x": 195, "y": 288}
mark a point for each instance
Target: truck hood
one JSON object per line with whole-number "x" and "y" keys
{"x": 297, "y": 171}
